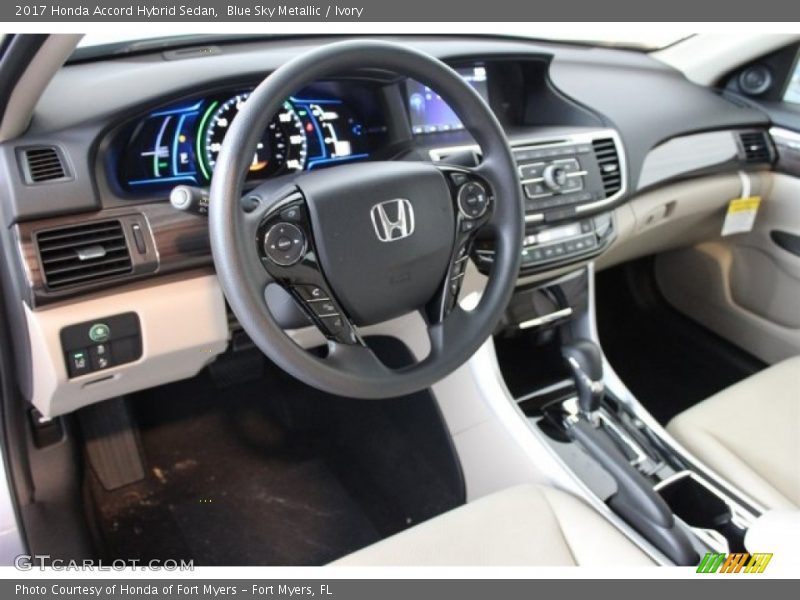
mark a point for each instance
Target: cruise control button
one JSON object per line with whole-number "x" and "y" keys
{"x": 285, "y": 244}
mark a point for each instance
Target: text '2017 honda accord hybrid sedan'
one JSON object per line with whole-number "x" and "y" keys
{"x": 424, "y": 300}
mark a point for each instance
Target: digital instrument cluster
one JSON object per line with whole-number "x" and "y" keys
{"x": 180, "y": 143}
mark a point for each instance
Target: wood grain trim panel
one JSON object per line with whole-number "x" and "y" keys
{"x": 174, "y": 241}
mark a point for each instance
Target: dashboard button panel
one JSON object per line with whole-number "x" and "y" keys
{"x": 101, "y": 344}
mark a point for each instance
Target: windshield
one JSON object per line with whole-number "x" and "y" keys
{"x": 114, "y": 42}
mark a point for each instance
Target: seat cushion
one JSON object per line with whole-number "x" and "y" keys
{"x": 749, "y": 434}
{"x": 525, "y": 525}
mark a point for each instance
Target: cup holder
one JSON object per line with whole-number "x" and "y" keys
{"x": 699, "y": 506}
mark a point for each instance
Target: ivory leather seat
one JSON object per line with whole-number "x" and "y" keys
{"x": 749, "y": 434}
{"x": 525, "y": 525}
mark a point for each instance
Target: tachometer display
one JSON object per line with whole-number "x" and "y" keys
{"x": 282, "y": 148}
{"x": 180, "y": 143}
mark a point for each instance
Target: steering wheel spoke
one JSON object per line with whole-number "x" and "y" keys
{"x": 473, "y": 201}
{"x": 287, "y": 252}
{"x": 443, "y": 334}
{"x": 358, "y": 360}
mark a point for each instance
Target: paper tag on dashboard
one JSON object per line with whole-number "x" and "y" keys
{"x": 741, "y": 215}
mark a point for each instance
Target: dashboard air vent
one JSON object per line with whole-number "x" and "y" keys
{"x": 755, "y": 146}
{"x": 83, "y": 253}
{"x": 605, "y": 151}
{"x": 42, "y": 164}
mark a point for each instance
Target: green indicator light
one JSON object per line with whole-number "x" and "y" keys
{"x": 201, "y": 155}
{"x": 99, "y": 332}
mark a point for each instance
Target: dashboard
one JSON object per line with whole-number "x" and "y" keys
{"x": 156, "y": 121}
{"x": 86, "y": 188}
{"x": 179, "y": 142}
{"x": 325, "y": 124}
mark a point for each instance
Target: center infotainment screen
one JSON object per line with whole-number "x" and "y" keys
{"x": 430, "y": 113}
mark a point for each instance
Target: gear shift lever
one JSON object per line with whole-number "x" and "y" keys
{"x": 586, "y": 361}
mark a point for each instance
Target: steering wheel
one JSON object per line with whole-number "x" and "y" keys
{"x": 362, "y": 243}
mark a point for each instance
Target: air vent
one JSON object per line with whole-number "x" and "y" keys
{"x": 755, "y": 146}
{"x": 605, "y": 150}
{"x": 42, "y": 164}
{"x": 83, "y": 253}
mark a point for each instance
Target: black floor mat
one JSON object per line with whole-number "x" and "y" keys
{"x": 272, "y": 472}
{"x": 667, "y": 360}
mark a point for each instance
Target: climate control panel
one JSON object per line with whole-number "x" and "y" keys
{"x": 548, "y": 247}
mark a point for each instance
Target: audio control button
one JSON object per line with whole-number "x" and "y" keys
{"x": 531, "y": 171}
{"x": 555, "y": 177}
{"x": 285, "y": 244}
{"x": 472, "y": 200}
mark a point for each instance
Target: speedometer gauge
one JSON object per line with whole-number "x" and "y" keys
{"x": 283, "y": 147}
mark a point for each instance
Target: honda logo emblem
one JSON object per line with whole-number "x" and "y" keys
{"x": 393, "y": 219}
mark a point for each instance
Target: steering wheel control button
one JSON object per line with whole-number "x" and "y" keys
{"x": 458, "y": 179}
{"x": 99, "y": 332}
{"x": 285, "y": 244}
{"x": 312, "y": 293}
{"x": 472, "y": 200}
{"x": 334, "y": 324}
{"x": 324, "y": 308}
{"x": 292, "y": 214}
{"x": 467, "y": 226}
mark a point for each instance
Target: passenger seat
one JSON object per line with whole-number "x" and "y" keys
{"x": 749, "y": 434}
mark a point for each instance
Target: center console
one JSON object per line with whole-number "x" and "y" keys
{"x": 578, "y": 409}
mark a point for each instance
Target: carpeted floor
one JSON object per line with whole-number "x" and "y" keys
{"x": 272, "y": 472}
